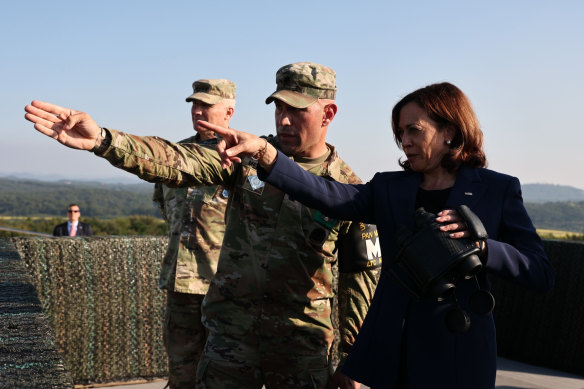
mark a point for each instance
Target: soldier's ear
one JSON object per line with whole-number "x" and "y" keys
{"x": 229, "y": 113}
{"x": 329, "y": 112}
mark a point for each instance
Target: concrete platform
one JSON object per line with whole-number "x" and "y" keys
{"x": 511, "y": 375}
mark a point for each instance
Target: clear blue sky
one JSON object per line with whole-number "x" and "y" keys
{"x": 130, "y": 64}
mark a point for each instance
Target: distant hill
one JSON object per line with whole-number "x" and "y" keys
{"x": 541, "y": 193}
{"x": 27, "y": 176}
{"x": 557, "y": 207}
{"x": 550, "y": 206}
{"x": 40, "y": 198}
{"x": 564, "y": 216}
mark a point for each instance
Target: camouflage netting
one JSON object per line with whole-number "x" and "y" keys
{"x": 545, "y": 329}
{"x": 28, "y": 355}
{"x": 102, "y": 297}
{"x": 105, "y": 309}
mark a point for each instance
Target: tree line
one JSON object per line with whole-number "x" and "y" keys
{"x": 122, "y": 226}
{"x": 565, "y": 216}
{"x": 37, "y": 198}
{"x": 122, "y": 209}
{"x": 111, "y": 209}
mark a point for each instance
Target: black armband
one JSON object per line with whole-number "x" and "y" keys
{"x": 359, "y": 249}
{"x": 102, "y": 142}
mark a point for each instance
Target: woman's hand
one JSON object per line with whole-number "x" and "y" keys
{"x": 452, "y": 222}
{"x": 455, "y": 224}
{"x": 235, "y": 144}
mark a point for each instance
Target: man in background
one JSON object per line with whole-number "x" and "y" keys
{"x": 73, "y": 227}
{"x": 195, "y": 217}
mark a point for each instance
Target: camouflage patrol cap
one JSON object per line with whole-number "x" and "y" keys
{"x": 212, "y": 91}
{"x": 301, "y": 84}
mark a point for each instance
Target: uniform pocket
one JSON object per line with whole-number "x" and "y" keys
{"x": 319, "y": 378}
{"x": 202, "y": 369}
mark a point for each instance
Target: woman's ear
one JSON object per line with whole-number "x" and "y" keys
{"x": 450, "y": 133}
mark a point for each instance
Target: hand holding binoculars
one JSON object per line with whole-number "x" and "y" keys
{"x": 430, "y": 263}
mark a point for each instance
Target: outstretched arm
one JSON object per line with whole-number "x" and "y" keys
{"x": 235, "y": 144}
{"x": 74, "y": 129}
{"x": 150, "y": 158}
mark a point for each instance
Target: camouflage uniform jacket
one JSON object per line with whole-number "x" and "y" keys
{"x": 195, "y": 217}
{"x": 274, "y": 280}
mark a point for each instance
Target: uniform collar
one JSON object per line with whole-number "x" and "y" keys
{"x": 332, "y": 167}
{"x": 197, "y": 139}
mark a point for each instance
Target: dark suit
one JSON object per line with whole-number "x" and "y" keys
{"x": 83, "y": 229}
{"x": 398, "y": 330}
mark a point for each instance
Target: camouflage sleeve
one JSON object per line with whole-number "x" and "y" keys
{"x": 157, "y": 160}
{"x": 359, "y": 266}
{"x": 158, "y": 198}
{"x": 355, "y": 294}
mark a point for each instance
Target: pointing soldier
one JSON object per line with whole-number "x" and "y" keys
{"x": 268, "y": 310}
{"x": 195, "y": 219}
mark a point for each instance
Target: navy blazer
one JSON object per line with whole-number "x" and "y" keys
{"x": 400, "y": 334}
{"x": 83, "y": 229}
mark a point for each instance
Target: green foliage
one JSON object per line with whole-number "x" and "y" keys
{"x": 37, "y": 198}
{"x": 129, "y": 225}
{"x": 576, "y": 237}
{"x": 101, "y": 202}
{"x": 567, "y": 236}
{"x": 35, "y": 224}
{"x": 567, "y": 216}
{"x": 10, "y": 234}
{"x": 111, "y": 209}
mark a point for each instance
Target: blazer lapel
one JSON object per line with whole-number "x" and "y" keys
{"x": 468, "y": 188}
{"x": 402, "y": 197}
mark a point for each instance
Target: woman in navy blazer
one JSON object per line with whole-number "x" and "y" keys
{"x": 405, "y": 343}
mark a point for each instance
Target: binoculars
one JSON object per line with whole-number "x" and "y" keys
{"x": 430, "y": 263}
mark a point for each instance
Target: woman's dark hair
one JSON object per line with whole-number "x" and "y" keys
{"x": 447, "y": 105}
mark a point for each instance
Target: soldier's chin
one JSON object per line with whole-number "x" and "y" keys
{"x": 288, "y": 144}
{"x": 288, "y": 149}
{"x": 198, "y": 127}
{"x": 204, "y": 132}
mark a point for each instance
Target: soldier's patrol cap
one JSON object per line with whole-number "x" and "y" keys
{"x": 212, "y": 91}
{"x": 301, "y": 84}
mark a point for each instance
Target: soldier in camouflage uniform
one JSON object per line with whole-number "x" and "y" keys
{"x": 195, "y": 219}
{"x": 268, "y": 308}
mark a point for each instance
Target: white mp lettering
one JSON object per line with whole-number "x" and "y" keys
{"x": 373, "y": 248}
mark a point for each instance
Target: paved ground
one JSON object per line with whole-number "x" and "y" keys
{"x": 511, "y": 375}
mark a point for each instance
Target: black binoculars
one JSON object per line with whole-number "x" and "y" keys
{"x": 430, "y": 263}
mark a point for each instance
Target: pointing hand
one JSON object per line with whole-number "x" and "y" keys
{"x": 74, "y": 129}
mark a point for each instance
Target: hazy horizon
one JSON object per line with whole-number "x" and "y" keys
{"x": 130, "y": 179}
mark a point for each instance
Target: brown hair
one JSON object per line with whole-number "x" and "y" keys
{"x": 447, "y": 105}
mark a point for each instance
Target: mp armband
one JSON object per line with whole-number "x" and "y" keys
{"x": 359, "y": 249}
